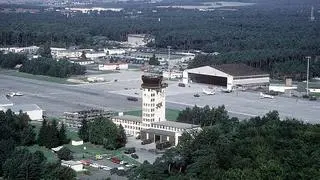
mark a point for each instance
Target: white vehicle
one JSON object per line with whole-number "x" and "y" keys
{"x": 262, "y": 96}
{"x": 94, "y": 165}
{"x": 120, "y": 168}
{"x": 18, "y": 94}
{"x": 226, "y": 90}
{"x": 106, "y": 168}
{"x": 208, "y": 92}
{"x": 11, "y": 94}
{"x": 123, "y": 162}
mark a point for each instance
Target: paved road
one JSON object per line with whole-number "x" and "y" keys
{"x": 58, "y": 98}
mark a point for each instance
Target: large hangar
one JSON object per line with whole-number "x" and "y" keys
{"x": 228, "y": 75}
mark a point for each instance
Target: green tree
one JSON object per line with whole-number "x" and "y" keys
{"x": 45, "y": 51}
{"x": 43, "y": 134}
{"x": 28, "y": 136}
{"x": 84, "y": 131}
{"x": 154, "y": 61}
{"x": 65, "y": 154}
{"x": 57, "y": 172}
{"x": 24, "y": 165}
{"x": 121, "y": 137}
{"x": 62, "y": 135}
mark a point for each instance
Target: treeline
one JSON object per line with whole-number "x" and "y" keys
{"x": 41, "y": 66}
{"x": 104, "y": 132}
{"x": 205, "y": 116}
{"x": 50, "y": 67}
{"x": 259, "y": 148}
{"x": 51, "y": 136}
{"x": 16, "y": 162}
{"x": 279, "y": 63}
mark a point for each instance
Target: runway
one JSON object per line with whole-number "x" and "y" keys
{"x": 58, "y": 98}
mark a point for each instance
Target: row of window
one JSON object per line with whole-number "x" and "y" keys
{"x": 148, "y": 110}
{"x": 148, "y": 120}
{"x": 148, "y": 105}
{"x": 126, "y": 122}
{"x": 132, "y": 127}
{"x": 147, "y": 115}
{"x": 166, "y": 128}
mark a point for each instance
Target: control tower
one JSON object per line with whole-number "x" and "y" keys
{"x": 153, "y": 99}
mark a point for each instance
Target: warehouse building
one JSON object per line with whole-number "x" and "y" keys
{"x": 34, "y": 112}
{"x": 227, "y": 75}
{"x": 140, "y": 39}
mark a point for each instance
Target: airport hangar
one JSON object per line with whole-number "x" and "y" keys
{"x": 227, "y": 75}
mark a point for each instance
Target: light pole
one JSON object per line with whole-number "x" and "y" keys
{"x": 308, "y": 58}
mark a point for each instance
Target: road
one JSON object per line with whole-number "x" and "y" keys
{"x": 57, "y": 98}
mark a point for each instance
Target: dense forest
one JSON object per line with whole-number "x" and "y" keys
{"x": 259, "y": 148}
{"x": 41, "y": 66}
{"x": 269, "y": 36}
{"x": 16, "y": 161}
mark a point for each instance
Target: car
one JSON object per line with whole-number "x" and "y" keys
{"x": 130, "y": 150}
{"x": 196, "y": 95}
{"x": 181, "y": 85}
{"x": 120, "y": 168}
{"x": 132, "y": 99}
{"x": 123, "y": 162}
{"x": 95, "y": 165}
{"x": 106, "y": 168}
{"x": 146, "y": 141}
{"x": 115, "y": 160}
{"x": 134, "y": 156}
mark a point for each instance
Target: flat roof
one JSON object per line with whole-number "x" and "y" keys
{"x": 176, "y": 124}
{"x": 239, "y": 69}
{"x": 128, "y": 118}
{"x": 23, "y": 107}
{"x": 158, "y": 131}
{"x": 71, "y": 163}
{"x": 4, "y": 101}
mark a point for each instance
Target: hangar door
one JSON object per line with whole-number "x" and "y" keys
{"x": 205, "y": 79}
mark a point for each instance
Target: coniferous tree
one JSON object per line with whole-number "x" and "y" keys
{"x": 53, "y": 135}
{"x": 84, "y": 131}
{"x": 121, "y": 137}
{"x": 43, "y": 134}
{"x": 62, "y": 135}
{"x": 154, "y": 61}
{"x": 65, "y": 154}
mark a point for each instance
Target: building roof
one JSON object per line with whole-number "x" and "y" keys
{"x": 4, "y": 101}
{"x": 71, "y": 163}
{"x": 158, "y": 131}
{"x": 128, "y": 118}
{"x": 23, "y": 107}
{"x": 176, "y": 124}
{"x": 239, "y": 70}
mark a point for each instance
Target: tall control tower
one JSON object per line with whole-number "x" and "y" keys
{"x": 153, "y": 100}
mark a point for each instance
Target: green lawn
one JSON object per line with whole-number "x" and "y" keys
{"x": 37, "y": 77}
{"x": 51, "y": 156}
{"x": 171, "y": 114}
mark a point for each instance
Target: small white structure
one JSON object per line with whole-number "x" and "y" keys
{"x": 113, "y": 66}
{"x": 281, "y": 88}
{"x": 76, "y": 143}
{"x": 313, "y": 90}
{"x": 140, "y": 39}
{"x": 75, "y": 165}
{"x": 56, "y": 149}
{"x": 114, "y": 51}
{"x": 34, "y": 112}
{"x": 172, "y": 74}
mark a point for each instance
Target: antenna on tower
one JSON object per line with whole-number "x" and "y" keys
{"x": 169, "y": 51}
{"x": 312, "y": 18}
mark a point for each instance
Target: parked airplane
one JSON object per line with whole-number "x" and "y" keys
{"x": 262, "y": 95}
{"x": 210, "y": 92}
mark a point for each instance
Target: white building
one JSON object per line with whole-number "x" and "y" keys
{"x": 82, "y": 62}
{"x": 95, "y": 55}
{"x": 152, "y": 124}
{"x": 114, "y": 51}
{"x": 32, "y": 110}
{"x": 28, "y": 50}
{"x": 172, "y": 74}
{"x": 75, "y": 165}
{"x": 113, "y": 66}
{"x": 140, "y": 39}
{"x": 228, "y": 75}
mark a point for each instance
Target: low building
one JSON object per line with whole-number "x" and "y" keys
{"x": 113, "y": 66}
{"x": 34, "y": 112}
{"x": 74, "y": 119}
{"x": 172, "y": 74}
{"x": 82, "y": 62}
{"x": 114, "y": 51}
{"x": 131, "y": 124}
{"x": 140, "y": 39}
{"x": 227, "y": 75}
{"x": 75, "y": 165}
{"x": 95, "y": 55}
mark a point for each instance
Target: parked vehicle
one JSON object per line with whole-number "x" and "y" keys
{"x": 181, "y": 85}
{"x": 132, "y": 99}
{"x": 130, "y": 150}
{"x": 146, "y": 141}
{"x": 134, "y": 156}
{"x": 196, "y": 95}
{"x": 115, "y": 160}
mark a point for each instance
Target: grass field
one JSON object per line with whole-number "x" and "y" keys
{"x": 51, "y": 156}
{"x": 171, "y": 114}
{"x": 36, "y": 77}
